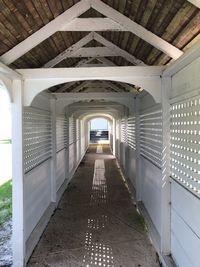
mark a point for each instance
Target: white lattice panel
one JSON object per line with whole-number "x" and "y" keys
{"x": 37, "y": 137}
{"x": 77, "y": 130}
{"x": 72, "y": 130}
{"x": 185, "y": 144}
{"x": 123, "y": 131}
{"x": 61, "y": 133}
{"x": 131, "y": 132}
{"x": 151, "y": 136}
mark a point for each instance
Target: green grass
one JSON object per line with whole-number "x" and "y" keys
{"x": 5, "y": 141}
{"x": 5, "y": 201}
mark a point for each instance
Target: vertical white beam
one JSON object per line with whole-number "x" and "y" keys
{"x": 80, "y": 140}
{"x": 18, "y": 236}
{"x": 166, "y": 186}
{"x": 54, "y": 156}
{"x": 114, "y": 137}
{"x": 67, "y": 150}
{"x": 138, "y": 157}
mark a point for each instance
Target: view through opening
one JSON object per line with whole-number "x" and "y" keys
{"x": 5, "y": 179}
{"x": 99, "y": 131}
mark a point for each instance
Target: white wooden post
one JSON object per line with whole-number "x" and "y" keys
{"x": 114, "y": 136}
{"x": 18, "y": 236}
{"x": 67, "y": 150}
{"x": 138, "y": 157}
{"x": 166, "y": 188}
{"x": 54, "y": 156}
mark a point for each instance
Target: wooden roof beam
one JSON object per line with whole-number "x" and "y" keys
{"x": 83, "y": 62}
{"x": 195, "y": 2}
{"x": 69, "y": 51}
{"x": 136, "y": 29}
{"x": 106, "y": 61}
{"x": 77, "y": 50}
{"x": 45, "y": 32}
{"x": 120, "y": 52}
{"x": 93, "y": 24}
{"x": 93, "y": 52}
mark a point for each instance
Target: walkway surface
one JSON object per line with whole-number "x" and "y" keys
{"x": 96, "y": 223}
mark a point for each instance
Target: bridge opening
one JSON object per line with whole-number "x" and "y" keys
{"x": 99, "y": 131}
{"x": 136, "y": 65}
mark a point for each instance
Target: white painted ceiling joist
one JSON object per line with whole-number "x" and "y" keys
{"x": 58, "y": 73}
{"x": 195, "y": 2}
{"x": 93, "y": 52}
{"x": 69, "y": 51}
{"x": 117, "y": 50}
{"x": 82, "y": 62}
{"x": 94, "y": 65}
{"x": 93, "y": 24}
{"x": 106, "y": 61}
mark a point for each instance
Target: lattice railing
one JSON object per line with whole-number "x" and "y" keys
{"x": 185, "y": 144}
{"x": 131, "y": 124}
{"x": 151, "y": 136}
{"x": 61, "y": 133}
{"x": 37, "y": 137}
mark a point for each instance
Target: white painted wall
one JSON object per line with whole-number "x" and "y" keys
{"x": 151, "y": 191}
{"x": 37, "y": 188}
{"x": 185, "y": 215}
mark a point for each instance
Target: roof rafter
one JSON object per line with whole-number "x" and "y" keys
{"x": 77, "y": 50}
{"x": 195, "y": 2}
{"x": 118, "y": 50}
{"x": 45, "y": 32}
{"x": 73, "y": 13}
{"x": 136, "y": 29}
{"x": 69, "y": 51}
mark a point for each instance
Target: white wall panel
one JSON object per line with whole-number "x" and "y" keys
{"x": 151, "y": 191}
{"x": 131, "y": 132}
{"x": 186, "y": 80}
{"x": 185, "y": 243}
{"x": 151, "y": 135}
{"x": 37, "y": 137}
{"x": 185, "y": 166}
{"x": 61, "y": 132}
{"x": 72, "y": 157}
{"x": 123, "y": 142}
{"x": 132, "y": 166}
{"x": 60, "y": 168}
{"x": 37, "y": 194}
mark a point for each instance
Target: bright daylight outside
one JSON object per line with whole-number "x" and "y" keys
{"x": 5, "y": 178}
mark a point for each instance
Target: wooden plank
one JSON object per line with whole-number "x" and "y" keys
{"x": 137, "y": 29}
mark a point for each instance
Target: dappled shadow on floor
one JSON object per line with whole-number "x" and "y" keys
{"x": 96, "y": 223}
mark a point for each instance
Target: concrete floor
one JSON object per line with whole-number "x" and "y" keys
{"x": 96, "y": 223}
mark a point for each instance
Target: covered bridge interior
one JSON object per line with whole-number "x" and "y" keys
{"x": 134, "y": 63}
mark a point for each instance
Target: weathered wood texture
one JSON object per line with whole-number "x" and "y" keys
{"x": 176, "y": 21}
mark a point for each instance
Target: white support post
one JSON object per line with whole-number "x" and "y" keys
{"x": 138, "y": 157}
{"x": 114, "y": 136}
{"x": 166, "y": 186}
{"x": 67, "y": 151}
{"x": 18, "y": 236}
{"x": 54, "y": 159}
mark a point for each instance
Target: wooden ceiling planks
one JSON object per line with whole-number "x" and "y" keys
{"x": 176, "y": 21}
